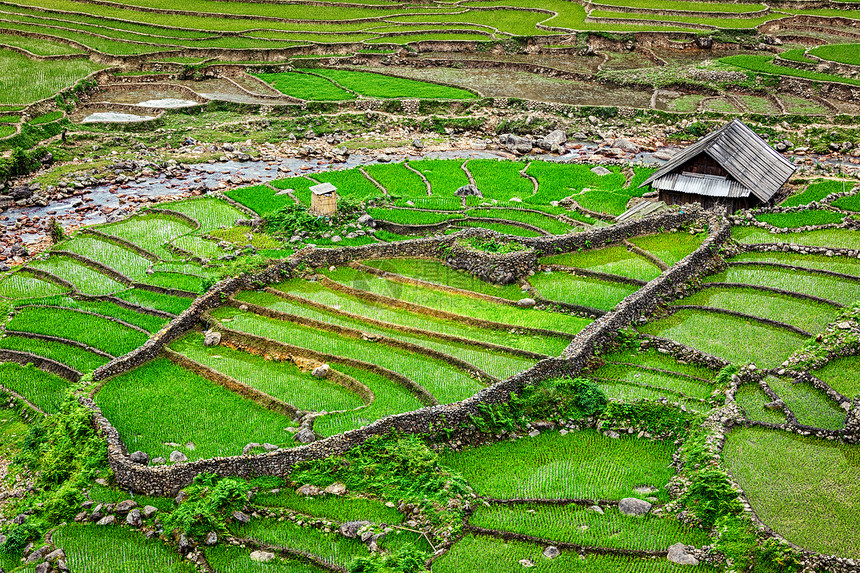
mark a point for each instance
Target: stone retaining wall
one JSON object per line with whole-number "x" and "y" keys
{"x": 167, "y": 480}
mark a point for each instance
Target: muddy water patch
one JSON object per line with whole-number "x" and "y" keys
{"x": 162, "y": 96}
{"x": 115, "y": 117}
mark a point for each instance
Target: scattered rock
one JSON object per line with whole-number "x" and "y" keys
{"x": 176, "y": 456}
{"x": 527, "y": 563}
{"x": 139, "y": 457}
{"x": 596, "y": 509}
{"x": 211, "y": 538}
{"x": 678, "y": 554}
{"x": 351, "y": 528}
{"x": 149, "y": 511}
{"x": 124, "y": 507}
{"x": 262, "y": 556}
{"x": 308, "y": 489}
{"x": 106, "y": 520}
{"x": 321, "y": 371}
{"x": 468, "y": 191}
{"x": 211, "y": 338}
{"x": 526, "y": 302}
{"x": 241, "y": 517}
{"x": 634, "y": 506}
{"x": 336, "y": 488}
{"x": 417, "y": 144}
{"x": 134, "y": 518}
{"x": 551, "y": 552}
{"x": 305, "y": 436}
{"x": 600, "y": 170}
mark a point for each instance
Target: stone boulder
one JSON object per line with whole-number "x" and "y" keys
{"x": 321, "y": 371}
{"x": 600, "y": 170}
{"x": 124, "y": 507}
{"x": 678, "y": 554}
{"x": 551, "y": 552}
{"x": 351, "y": 528}
{"x": 305, "y": 436}
{"x": 176, "y": 457}
{"x": 211, "y": 338}
{"x": 526, "y": 302}
{"x": 468, "y": 191}
{"x": 633, "y": 506}
{"x": 134, "y": 518}
{"x": 262, "y": 556}
{"x": 139, "y": 457}
{"x": 241, "y": 517}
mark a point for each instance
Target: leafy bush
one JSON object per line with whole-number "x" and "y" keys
{"x": 65, "y": 454}
{"x": 493, "y": 245}
{"x": 211, "y": 499}
{"x": 711, "y": 496}
{"x": 653, "y": 417}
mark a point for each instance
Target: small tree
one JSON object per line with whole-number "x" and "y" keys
{"x": 56, "y": 230}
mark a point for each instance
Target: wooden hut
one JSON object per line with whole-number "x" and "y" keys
{"x": 323, "y": 199}
{"x": 732, "y": 167}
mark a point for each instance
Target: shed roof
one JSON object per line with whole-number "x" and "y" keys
{"x": 699, "y": 184}
{"x": 740, "y": 151}
{"x": 323, "y": 189}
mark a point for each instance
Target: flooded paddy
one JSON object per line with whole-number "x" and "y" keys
{"x": 113, "y": 117}
{"x": 146, "y": 96}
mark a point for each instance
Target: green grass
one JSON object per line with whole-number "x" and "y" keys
{"x": 435, "y": 271}
{"x": 81, "y": 360}
{"x": 177, "y": 281}
{"x": 831, "y": 288}
{"x": 797, "y": 55}
{"x": 545, "y": 222}
{"x": 106, "y": 308}
{"x": 669, "y": 247}
{"x": 234, "y": 559}
{"x": 281, "y": 380}
{"x": 496, "y": 363}
{"x": 348, "y": 303}
{"x": 160, "y": 403}
{"x": 654, "y": 359}
{"x": 43, "y": 389}
{"x": 843, "y": 375}
{"x": 473, "y": 553}
{"x": 264, "y": 200}
{"x": 398, "y": 180}
{"x": 93, "y": 549}
{"x": 445, "y": 175}
{"x": 672, "y": 383}
{"x": 580, "y": 525}
{"x": 350, "y": 183}
{"x": 788, "y": 478}
{"x": 816, "y": 191}
{"x": 500, "y": 180}
{"x": 503, "y": 228}
{"x": 839, "y": 238}
{"x": 459, "y": 304}
{"x": 22, "y": 284}
{"x": 24, "y": 81}
{"x": 94, "y": 331}
{"x": 333, "y": 548}
{"x": 434, "y": 202}
{"x": 718, "y": 334}
{"x": 210, "y": 212}
{"x": 46, "y": 118}
{"x": 164, "y": 302}
{"x": 86, "y": 280}
{"x": 391, "y": 398}
{"x": 849, "y": 203}
{"x": 199, "y": 247}
{"x": 765, "y": 65}
{"x": 845, "y": 265}
{"x": 603, "y": 201}
{"x": 150, "y": 231}
{"x": 582, "y": 464}
{"x": 306, "y": 86}
{"x": 801, "y": 218}
{"x": 807, "y": 315}
{"x": 410, "y": 217}
{"x": 842, "y": 53}
{"x": 752, "y": 399}
{"x": 328, "y": 506}
{"x": 811, "y": 406}
{"x": 688, "y": 6}
{"x": 446, "y": 383}
{"x": 38, "y": 46}
{"x": 615, "y": 260}
{"x": 114, "y": 256}
{"x": 585, "y": 291}
{"x": 631, "y": 392}
{"x": 381, "y": 86}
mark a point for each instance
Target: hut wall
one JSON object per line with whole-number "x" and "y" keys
{"x": 704, "y": 164}
{"x": 731, "y": 204}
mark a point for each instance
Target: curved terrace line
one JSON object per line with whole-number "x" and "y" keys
{"x": 241, "y": 340}
{"x": 649, "y": 386}
{"x": 563, "y": 545}
{"x": 774, "y": 290}
{"x": 676, "y": 307}
{"x": 67, "y": 341}
{"x": 662, "y": 371}
{"x": 402, "y": 328}
{"x": 788, "y": 267}
{"x": 87, "y": 312}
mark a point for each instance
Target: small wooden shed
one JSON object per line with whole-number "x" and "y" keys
{"x": 732, "y": 167}
{"x": 323, "y": 199}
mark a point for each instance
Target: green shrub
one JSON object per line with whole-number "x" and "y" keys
{"x": 211, "y": 499}
{"x": 711, "y": 496}
{"x": 653, "y": 417}
{"x": 493, "y": 245}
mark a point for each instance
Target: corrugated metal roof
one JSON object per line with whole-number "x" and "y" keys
{"x": 641, "y": 210}
{"x": 698, "y": 184}
{"x": 323, "y": 189}
{"x": 740, "y": 151}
